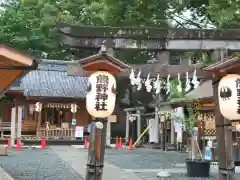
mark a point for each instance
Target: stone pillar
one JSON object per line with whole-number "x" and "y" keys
{"x": 219, "y": 54}
{"x": 158, "y": 123}
{"x": 127, "y": 127}
{"x": 19, "y": 123}
{"x": 138, "y": 123}
{"x": 13, "y": 125}
{"x": 108, "y": 136}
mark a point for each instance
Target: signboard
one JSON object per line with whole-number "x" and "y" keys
{"x": 79, "y": 132}
{"x": 74, "y": 122}
{"x": 208, "y": 154}
{"x": 89, "y": 128}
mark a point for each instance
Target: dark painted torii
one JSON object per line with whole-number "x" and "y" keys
{"x": 150, "y": 38}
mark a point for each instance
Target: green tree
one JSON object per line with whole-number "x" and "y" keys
{"x": 30, "y": 25}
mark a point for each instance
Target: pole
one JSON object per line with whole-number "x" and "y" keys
{"x": 96, "y": 150}
{"x": 39, "y": 123}
{"x": 163, "y": 135}
{"x": 224, "y": 140}
{"x": 140, "y": 136}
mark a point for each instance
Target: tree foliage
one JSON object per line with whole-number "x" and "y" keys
{"x": 29, "y": 25}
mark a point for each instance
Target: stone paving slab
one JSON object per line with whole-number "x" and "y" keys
{"x": 77, "y": 159}
{"x": 4, "y": 175}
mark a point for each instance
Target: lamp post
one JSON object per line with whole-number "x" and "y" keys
{"x": 73, "y": 110}
{"x": 74, "y": 121}
{"x": 38, "y": 108}
{"x": 100, "y": 103}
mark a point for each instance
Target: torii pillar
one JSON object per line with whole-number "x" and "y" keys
{"x": 101, "y": 61}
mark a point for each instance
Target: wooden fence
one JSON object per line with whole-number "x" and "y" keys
{"x": 58, "y": 133}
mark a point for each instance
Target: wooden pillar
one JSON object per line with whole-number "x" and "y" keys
{"x": 39, "y": 119}
{"x": 162, "y": 119}
{"x": 53, "y": 116}
{"x": 224, "y": 140}
{"x": 172, "y": 132}
{"x": 46, "y": 115}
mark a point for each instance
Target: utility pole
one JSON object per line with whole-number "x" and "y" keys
{"x": 96, "y": 149}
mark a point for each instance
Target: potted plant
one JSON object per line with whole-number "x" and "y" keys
{"x": 195, "y": 164}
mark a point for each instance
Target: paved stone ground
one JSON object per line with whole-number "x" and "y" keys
{"x": 37, "y": 164}
{"x": 77, "y": 159}
{"x": 68, "y": 163}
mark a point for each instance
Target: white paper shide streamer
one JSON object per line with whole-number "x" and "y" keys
{"x": 195, "y": 82}
{"x": 188, "y": 83}
{"x": 168, "y": 85}
{"x": 179, "y": 86}
{"x": 138, "y": 81}
{"x": 148, "y": 83}
{"x": 157, "y": 85}
{"x": 132, "y": 77}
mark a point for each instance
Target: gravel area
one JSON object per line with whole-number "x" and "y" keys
{"x": 37, "y": 165}
{"x": 149, "y": 160}
{"x": 153, "y": 176}
{"x": 143, "y": 159}
{"x": 177, "y": 176}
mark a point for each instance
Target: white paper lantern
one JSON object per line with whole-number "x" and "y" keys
{"x": 73, "y": 108}
{"x": 229, "y": 96}
{"x": 100, "y": 100}
{"x": 38, "y": 107}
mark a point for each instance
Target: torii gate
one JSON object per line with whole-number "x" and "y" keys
{"x": 163, "y": 41}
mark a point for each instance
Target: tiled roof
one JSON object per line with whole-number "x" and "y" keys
{"x": 224, "y": 64}
{"x": 51, "y": 80}
{"x": 204, "y": 90}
